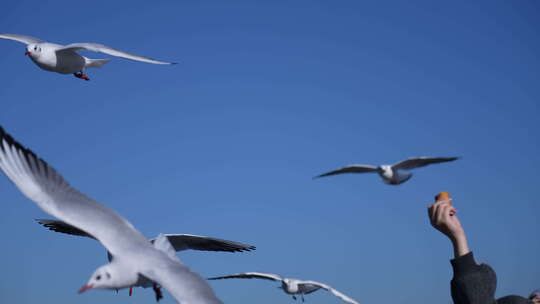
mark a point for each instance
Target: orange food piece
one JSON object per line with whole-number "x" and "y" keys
{"x": 442, "y": 196}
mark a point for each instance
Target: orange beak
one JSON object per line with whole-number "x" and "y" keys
{"x": 85, "y": 288}
{"x": 27, "y": 53}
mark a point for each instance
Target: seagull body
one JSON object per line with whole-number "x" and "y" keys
{"x": 179, "y": 242}
{"x": 290, "y": 286}
{"x": 64, "y": 59}
{"x": 391, "y": 174}
{"x": 134, "y": 257}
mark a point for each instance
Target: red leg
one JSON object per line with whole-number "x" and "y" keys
{"x": 81, "y": 75}
{"x": 130, "y": 291}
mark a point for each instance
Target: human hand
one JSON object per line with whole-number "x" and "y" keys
{"x": 442, "y": 216}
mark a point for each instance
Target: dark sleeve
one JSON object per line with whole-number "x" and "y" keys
{"x": 472, "y": 283}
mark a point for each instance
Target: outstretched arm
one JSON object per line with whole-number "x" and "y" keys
{"x": 472, "y": 283}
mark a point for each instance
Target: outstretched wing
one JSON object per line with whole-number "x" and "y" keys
{"x": 196, "y": 242}
{"x": 351, "y": 169}
{"x": 251, "y": 275}
{"x": 183, "y": 284}
{"x": 418, "y": 162}
{"x": 21, "y": 38}
{"x": 330, "y": 289}
{"x": 95, "y": 47}
{"x": 42, "y": 184}
{"x": 59, "y": 226}
{"x": 178, "y": 241}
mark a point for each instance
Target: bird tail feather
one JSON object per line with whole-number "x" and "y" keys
{"x": 95, "y": 63}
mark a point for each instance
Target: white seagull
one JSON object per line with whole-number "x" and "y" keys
{"x": 179, "y": 242}
{"x": 290, "y": 286}
{"x": 390, "y": 173}
{"x": 134, "y": 257}
{"x": 64, "y": 59}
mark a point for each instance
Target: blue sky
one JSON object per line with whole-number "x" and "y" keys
{"x": 265, "y": 96}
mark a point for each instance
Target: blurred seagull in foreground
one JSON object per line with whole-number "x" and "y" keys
{"x": 179, "y": 242}
{"x": 390, "y": 173}
{"x": 290, "y": 286}
{"x": 64, "y": 59}
{"x": 134, "y": 257}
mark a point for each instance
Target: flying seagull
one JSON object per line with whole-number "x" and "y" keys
{"x": 290, "y": 286}
{"x": 134, "y": 257}
{"x": 390, "y": 173}
{"x": 64, "y": 59}
{"x": 179, "y": 242}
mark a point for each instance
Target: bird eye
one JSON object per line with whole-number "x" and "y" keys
{"x": 98, "y": 278}
{"x": 35, "y": 48}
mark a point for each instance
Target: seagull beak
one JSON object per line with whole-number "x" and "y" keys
{"x": 85, "y": 288}
{"x": 27, "y": 53}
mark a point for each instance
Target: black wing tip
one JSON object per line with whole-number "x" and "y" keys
{"x": 215, "y": 278}
{"x": 320, "y": 175}
{"x": 42, "y": 221}
{"x": 4, "y": 136}
{"x": 49, "y": 224}
{"x": 247, "y": 248}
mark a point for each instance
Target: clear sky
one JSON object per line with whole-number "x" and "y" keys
{"x": 265, "y": 96}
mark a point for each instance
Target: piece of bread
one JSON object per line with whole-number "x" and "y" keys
{"x": 442, "y": 196}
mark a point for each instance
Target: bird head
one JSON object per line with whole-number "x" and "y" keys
{"x": 33, "y": 50}
{"x": 102, "y": 278}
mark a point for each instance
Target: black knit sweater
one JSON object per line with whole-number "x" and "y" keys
{"x": 475, "y": 284}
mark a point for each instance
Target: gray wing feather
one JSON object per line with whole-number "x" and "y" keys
{"x": 195, "y": 242}
{"x": 250, "y": 275}
{"x": 350, "y": 169}
{"x": 330, "y": 289}
{"x": 21, "y": 38}
{"x": 95, "y": 47}
{"x": 417, "y": 162}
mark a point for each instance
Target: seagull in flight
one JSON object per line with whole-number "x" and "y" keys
{"x": 64, "y": 59}
{"x": 290, "y": 286}
{"x": 179, "y": 242}
{"x": 134, "y": 257}
{"x": 391, "y": 174}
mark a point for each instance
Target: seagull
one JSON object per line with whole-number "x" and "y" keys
{"x": 134, "y": 257}
{"x": 290, "y": 286}
{"x": 390, "y": 173}
{"x": 179, "y": 242}
{"x": 64, "y": 59}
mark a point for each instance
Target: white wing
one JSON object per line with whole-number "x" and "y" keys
{"x": 417, "y": 162}
{"x": 332, "y": 290}
{"x": 48, "y": 189}
{"x": 251, "y": 275}
{"x": 196, "y": 242}
{"x": 350, "y": 169}
{"x": 95, "y": 47}
{"x": 184, "y": 285}
{"x": 179, "y": 242}
{"x": 21, "y": 38}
